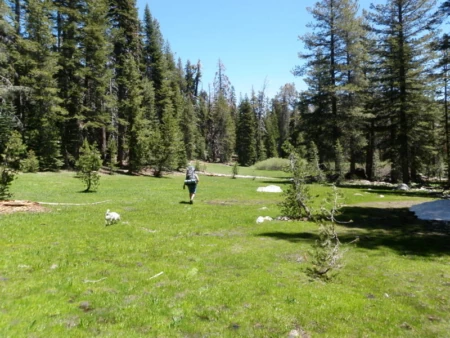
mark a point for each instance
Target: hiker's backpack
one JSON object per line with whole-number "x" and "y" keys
{"x": 190, "y": 176}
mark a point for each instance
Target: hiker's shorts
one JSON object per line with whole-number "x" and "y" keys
{"x": 192, "y": 188}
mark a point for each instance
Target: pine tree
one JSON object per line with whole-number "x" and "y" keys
{"x": 97, "y": 117}
{"x": 335, "y": 79}
{"x": 69, "y": 19}
{"x": 188, "y": 128}
{"x": 272, "y": 135}
{"x": 38, "y": 67}
{"x": 443, "y": 74}
{"x": 164, "y": 143}
{"x": 127, "y": 45}
{"x": 245, "y": 136}
{"x": 221, "y": 125}
{"x": 156, "y": 68}
{"x": 404, "y": 48}
{"x": 284, "y": 107}
{"x": 88, "y": 165}
{"x": 131, "y": 106}
{"x": 259, "y": 105}
{"x": 8, "y": 119}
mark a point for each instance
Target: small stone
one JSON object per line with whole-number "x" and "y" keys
{"x": 85, "y": 306}
{"x": 293, "y": 334}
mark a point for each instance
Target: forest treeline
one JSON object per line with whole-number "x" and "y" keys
{"x": 91, "y": 70}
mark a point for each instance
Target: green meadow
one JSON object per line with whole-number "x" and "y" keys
{"x": 171, "y": 269}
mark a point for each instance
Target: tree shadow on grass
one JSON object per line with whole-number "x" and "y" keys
{"x": 392, "y": 191}
{"x": 394, "y": 228}
{"x": 276, "y": 182}
{"x": 294, "y": 237}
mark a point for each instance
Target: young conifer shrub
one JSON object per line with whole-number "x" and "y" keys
{"x": 10, "y": 163}
{"x": 30, "y": 164}
{"x": 197, "y": 165}
{"x": 88, "y": 165}
{"x": 326, "y": 253}
{"x": 339, "y": 162}
{"x": 314, "y": 162}
{"x": 7, "y": 176}
{"x": 235, "y": 170}
{"x": 296, "y": 197}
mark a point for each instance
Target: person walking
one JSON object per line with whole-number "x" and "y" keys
{"x": 191, "y": 181}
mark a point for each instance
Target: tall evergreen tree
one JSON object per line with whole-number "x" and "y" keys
{"x": 245, "y": 140}
{"x": 284, "y": 107}
{"x": 443, "y": 77}
{"x": 156, "y": 68}
{"x": 221, "y": 125}
{"x": 127, "y": 45}
{"x": 98, "y": 97}
{"x": 38, "y": 67}
{"x": 260, "y": 103}
{"x": 334, "y": 76}
{"x": 404, "y": 46}
{"x": 165, "y": 143}
{"x": 69, "y": 20}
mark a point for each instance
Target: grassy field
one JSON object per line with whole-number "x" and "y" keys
{"x": 171, "y": 269}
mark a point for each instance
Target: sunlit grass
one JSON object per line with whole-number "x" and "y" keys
{"x": 225, "y": 169}
{"x": 171, "y": 269}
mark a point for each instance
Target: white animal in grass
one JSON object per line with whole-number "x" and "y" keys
{"x": 111, "y": 217}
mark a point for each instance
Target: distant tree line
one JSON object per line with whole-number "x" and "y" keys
{"x": 76, "y": 71}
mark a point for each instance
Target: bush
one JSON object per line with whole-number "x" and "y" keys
{"x": 88, "y": 165}
{"x": 297, "y": 197}
{"x": 274, "y": 163}
{"x": 327, "y": 255}
{"x": 30, "y": 164}
{"x": 235, "y": 170}
{"x": 7, "y": 175}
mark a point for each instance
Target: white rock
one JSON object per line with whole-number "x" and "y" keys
{"x": 403, "y": 187}
{"x": 270, "y": 188}
{"x": 261, "y": 219}
{"x": 293, "y": 334}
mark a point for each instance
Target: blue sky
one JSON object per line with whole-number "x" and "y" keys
{"x": 256, "y": 40}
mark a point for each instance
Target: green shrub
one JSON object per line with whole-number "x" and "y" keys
{"x": 30, "y": 164}
{"x": 197, "y": 165}
{"x": 297, "y": 197}
{"x": 88, "y": 165}
{"x": 7, "y": 175}
{"x": 274, "y": 163}
{"x": 235, "y": 170}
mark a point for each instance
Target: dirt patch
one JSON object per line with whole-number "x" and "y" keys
{"x": 388, "y": 204}
{"x": 8, "y": 207}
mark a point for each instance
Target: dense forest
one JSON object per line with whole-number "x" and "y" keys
{"x": 73, "y": 71}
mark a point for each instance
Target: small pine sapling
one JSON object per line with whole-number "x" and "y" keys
{"x": 235, "y": 170}
{"x": 339, "y": 162}
{"x": 30, "y": 164}
{"x": 296, "y": 197}
{"x": 314, "y": 163}
{"x": 88, "y": 165}
{"x": 326, "y": 254}
{"x": 10, "y": 163}
{"x": 197, "y": 165}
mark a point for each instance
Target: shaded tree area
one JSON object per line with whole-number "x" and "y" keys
{"x": 376, "y": 86}
{"x": 91, "y": 70}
